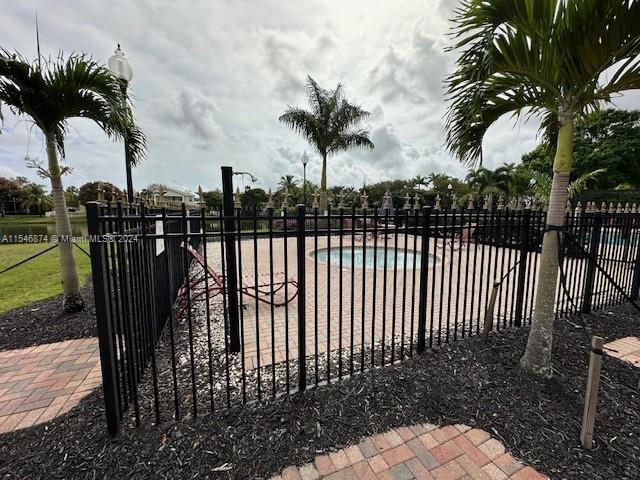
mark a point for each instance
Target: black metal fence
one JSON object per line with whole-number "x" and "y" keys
{"x": 201, "y": 312}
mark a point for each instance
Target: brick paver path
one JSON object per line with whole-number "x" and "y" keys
{"x": 627, "y": 349}
{"x": 419, "y": 452}
{"x": 39, "y": 383}
{"x": 394, "y": 313}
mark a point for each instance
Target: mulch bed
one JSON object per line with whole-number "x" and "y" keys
{"x": 43, "y": 322}
{"x": 469, "y": 381}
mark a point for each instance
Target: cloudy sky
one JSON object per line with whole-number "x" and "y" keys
{"x": 211, "y": 78}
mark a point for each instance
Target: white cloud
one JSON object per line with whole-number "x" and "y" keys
{"x": 211, "y": 78}
{"x": 194, "y": 112}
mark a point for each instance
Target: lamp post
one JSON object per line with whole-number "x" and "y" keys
{"x": 121, "y": 68}
{"x": 305, "y": 160}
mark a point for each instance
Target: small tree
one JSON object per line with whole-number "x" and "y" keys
{"x": 555, "y": 58}
{"x": 50, "y": 93}
{"x": 331, "y": 125}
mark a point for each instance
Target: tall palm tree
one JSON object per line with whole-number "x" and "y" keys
{"x": 51, "y": 92}
{"x": 552, "y": 59}
{"x": 330, "y": 126}
{"x": 33, "y": 195}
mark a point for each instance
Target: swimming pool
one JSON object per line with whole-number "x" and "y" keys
{"x": 365, "y": 256}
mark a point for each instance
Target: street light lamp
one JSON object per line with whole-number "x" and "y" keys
{"x": 305, "y": 160}
{"x": 121, "y": 68}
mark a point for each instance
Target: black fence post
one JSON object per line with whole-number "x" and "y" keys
{"x": 231, "y": 275}
{"x": 100, "y": 270}
{"x": 594, "y": 242}
{"x": 635, "y": 285}
{"x": 424, "y": 268}
{"x": 302, "y": 320}
{"x": 525, "y": 221}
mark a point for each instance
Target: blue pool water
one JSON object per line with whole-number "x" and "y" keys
{"x": 364, "y": 257}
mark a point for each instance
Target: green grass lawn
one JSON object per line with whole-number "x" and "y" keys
{"x": 35, "y": 280}
{"x": 36, "y": 220}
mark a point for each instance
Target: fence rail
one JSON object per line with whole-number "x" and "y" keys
{"x": 201, "y": 312}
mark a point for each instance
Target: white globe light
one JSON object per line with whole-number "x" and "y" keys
{"x": 120, "y": 66}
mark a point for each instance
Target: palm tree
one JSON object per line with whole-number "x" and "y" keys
{"x": 553, "y": 59}
{"x": 33, "y": 195}
{"x": 490, "y": 182}
{"x": 330, "y": 126}
{"x": 51, "y": 92}
{"x": 288, "y": 182}
{"x": 419, "y": 181}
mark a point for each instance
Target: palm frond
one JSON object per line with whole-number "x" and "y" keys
{"x": 580, "y": 184}
{"x": 69, "y": 88}
{"x": 358, "y": 138}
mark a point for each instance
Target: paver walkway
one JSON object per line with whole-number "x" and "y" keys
{"x": 39, "y": 383}
{"x": 421, "y": 452}
{"x": 627, "y": 349}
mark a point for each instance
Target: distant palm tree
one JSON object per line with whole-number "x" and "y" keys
{"x": 554, "y": 58}
{"x": 419, "y": 181}
{"x": 330, "y": 126}
{"x": 289, "y": 182}
{"x": 51, "y": 92}
{"x": 33, "y": 195}
{"x": 490, "y": 182}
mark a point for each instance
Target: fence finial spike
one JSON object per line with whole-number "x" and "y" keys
{"x": 568, "y": 207}
{"x": 627, "y": 208}
{"x": 612, "y": 207}
{"x": 519, "y": 204}
{"x": 487, "y": 202}
{"x": 269, "y": 199}
{"x": 500, "y": 202}
{"x": 603, "y": 207}
{"x": 407, "y": 202}
{"x": 237, "y": 203}
{"x": 634, "y": 208}
{"x": 365, "y": 200}
{"x": 416, "y": 201}
{"x": 437, "y": 205}
{"x": 578, "y": 209}
{"x": 619, "y": 208}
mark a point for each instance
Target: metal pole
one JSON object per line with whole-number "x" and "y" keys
{"x": 99, "y": 267}
{"x": 304, "y": 183}
{"x": 127, "y": 153}
{"x": 231, "y": 274}
{"x": 424, "y": 268}
{"x": 302, "y": 335}
{"x": 522, "y": 266}
{"x": 591, "y": 267}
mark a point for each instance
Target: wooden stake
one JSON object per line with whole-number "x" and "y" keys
{"x": 488, "y": 314}
{"x": 591, "y": 398}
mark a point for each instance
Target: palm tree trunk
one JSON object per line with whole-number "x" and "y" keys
{"x": 537, "y": 356}
{"x": 323, "y": 185}
{"x": 72, "y": 300}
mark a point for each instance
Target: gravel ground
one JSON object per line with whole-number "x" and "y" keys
{"x": 468, "y": 381}
{"x": 43, "y": 322}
